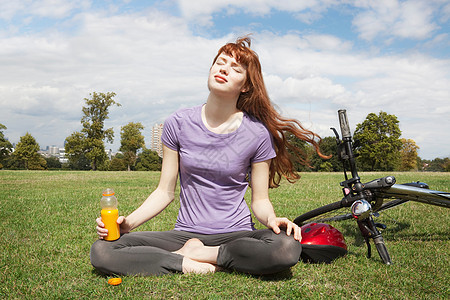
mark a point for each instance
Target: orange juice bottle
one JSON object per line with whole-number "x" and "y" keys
{"x": 109, "y": 214}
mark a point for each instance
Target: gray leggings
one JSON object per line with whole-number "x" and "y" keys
{"x": 256, "y": 252}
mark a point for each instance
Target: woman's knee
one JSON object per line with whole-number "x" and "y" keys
{"x": 288, "y": 249}
{"x": 283, "y": 252}
{"x": 100, "y": 255}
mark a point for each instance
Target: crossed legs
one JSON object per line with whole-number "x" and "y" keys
{"x": 156, "y": 253}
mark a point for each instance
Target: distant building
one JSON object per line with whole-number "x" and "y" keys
{"x": 54, "y": 151}
{"x": 156, "y": 144}
{"x": 62, "y": 156}
{"x": 109, "y": 153}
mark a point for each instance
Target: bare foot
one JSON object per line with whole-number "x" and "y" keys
{"x": 196, "y": 250}
{"x": 190, "y": 246}
{"x": 196, "y": 267}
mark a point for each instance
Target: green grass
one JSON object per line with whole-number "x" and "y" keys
{"x": 47, "y": 228}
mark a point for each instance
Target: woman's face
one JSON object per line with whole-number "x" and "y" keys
{"x": 227, "y": 76}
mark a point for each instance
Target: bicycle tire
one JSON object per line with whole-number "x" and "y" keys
{"x": 335, "y": 211}
{"x": 319, "y": 214}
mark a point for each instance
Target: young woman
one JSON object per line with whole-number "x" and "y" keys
{"x": 217, "y": 149}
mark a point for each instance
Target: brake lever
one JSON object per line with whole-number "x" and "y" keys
{"x": 336, "y": 134}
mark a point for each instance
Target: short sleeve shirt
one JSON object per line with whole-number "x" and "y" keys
{"x": 213, "y": 169}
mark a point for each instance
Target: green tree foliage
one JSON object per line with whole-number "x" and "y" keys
{"x": 409, "y": 155}
{"x": 53, "y": 163}
{"x": 75, "y": 150}
{"x": 118, "y": 163}
{"x": 327, "y": 146}
{"x": 5, "y": 146}
{"x": 446, "y": 164}
{"x": 148, "y": 161}
{"x": 38, "y": 162}
{"x": 82, "y": 163}
{"x": 90, "y": 141}
{"x": 27, "y": 152}
{"x": 300, "y": 155}
{"x": 436, "y": 165}
{"x": 131, "y": 141}
{"x": 380, "y": 144}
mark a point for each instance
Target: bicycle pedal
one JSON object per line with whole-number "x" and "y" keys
{"x": 379, "y": 225}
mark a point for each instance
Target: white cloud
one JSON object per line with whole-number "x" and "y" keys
{"x": 147, "y": 59}
{"x": 309, "y": 81}
{"x": 303, "y": 90}
{"x": 8, "y": 9}
{"x": 155, "y": 64}
{"x": 201, "y": 11}
{"x": 55, "y": 9}
{"x": 405, "y": 19}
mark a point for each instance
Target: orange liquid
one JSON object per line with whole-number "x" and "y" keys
{"x": 109, "y": 218}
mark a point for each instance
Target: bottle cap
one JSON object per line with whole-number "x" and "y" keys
{"x": 115, "y": 281}
{"x": 108, "y": 192}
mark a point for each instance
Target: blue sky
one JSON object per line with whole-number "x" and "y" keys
{"x": 318, "y": 56}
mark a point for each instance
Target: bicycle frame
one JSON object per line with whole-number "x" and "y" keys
{"x": 411, "y": 193}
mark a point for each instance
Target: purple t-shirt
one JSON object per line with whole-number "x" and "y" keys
{"x": 213, "y": 168}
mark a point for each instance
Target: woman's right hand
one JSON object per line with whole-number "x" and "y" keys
{"x": 102, "y": 232}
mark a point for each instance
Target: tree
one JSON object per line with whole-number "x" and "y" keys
{"x": 327, "y": 146}
{"x": 27, "y": 152}
{"x": 75, "y": 149}
{"x": 5, "y": 145}
{"x": 408, "y": 155}
{"x": 90, "y": 141}
{"x": 131, "y": 141}
{"x": 53, "y": 162}
{"x": 148, "y": 161}
{"x": 380, "y": 144}
{"x": 446, "y": 164}
{"x": 437, "y": 165}
{"x": 300, "y": 154}
{"x": 118, "y": 163}
{"x": 37, "y": 162}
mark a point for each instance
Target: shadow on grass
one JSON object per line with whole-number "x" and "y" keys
{"x": 97, "y": 273}
{"x": 280, "y": 276}
{"x": 393, "y": 232}
{"x": 350, "y": 229}
{"x": 420, "y": 237}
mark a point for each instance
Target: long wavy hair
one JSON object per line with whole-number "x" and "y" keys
{"x": 256, "y": 102}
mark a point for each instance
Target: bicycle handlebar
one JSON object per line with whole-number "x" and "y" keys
{"x": 343, "y": 121}
{"x": 347, "y": 154}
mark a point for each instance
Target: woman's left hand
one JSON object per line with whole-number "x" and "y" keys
{"x": 277, "y": 223}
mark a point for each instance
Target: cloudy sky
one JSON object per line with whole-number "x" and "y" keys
{"x": 317, "y": 55}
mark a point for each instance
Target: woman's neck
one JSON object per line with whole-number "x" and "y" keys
{"x": 221, "y": 115}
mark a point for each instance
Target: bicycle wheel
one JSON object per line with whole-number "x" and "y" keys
{"x": 327, "y": 213}
{"x": 336, "y": 212}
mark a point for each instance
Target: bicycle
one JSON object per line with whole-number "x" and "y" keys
{"x": 363, "y": 201}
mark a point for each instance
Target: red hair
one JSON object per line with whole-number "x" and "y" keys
{"x": 256, "y": 102}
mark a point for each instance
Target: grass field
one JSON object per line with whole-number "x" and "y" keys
{"x": 47, "y": 228}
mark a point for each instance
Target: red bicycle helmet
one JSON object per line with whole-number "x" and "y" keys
{"x": 322, "y": 243}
